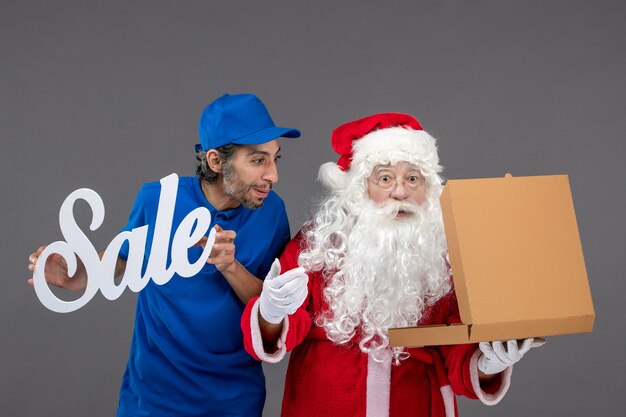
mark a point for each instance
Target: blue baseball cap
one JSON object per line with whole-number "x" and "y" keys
{"x": 241, "y": 119}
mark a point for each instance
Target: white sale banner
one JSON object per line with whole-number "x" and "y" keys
{"x": 100, "y": 271}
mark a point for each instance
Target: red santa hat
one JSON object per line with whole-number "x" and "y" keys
{"x": 376, "y": 139}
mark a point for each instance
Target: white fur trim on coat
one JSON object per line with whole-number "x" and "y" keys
{"x": 484, "y": 397}
{"x": 448, "y": 400}
{"x": 378, "y": 384}
{"x": 257, "y": 339}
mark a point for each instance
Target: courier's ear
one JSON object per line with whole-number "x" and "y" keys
{"x": 214, "y": 161}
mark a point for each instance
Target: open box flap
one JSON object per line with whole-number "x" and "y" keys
{"x": 516, "y": 257}
{"x": 514, "y": 249}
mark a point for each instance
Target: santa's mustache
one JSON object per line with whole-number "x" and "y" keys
{"x": 392, "y": 208}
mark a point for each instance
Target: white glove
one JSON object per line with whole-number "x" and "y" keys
{"x": 282, "y": 294}
{"x": 496, "y": 358}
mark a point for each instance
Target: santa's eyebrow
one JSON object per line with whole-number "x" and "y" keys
{"x": 379, "y": 168}
{"x": 411, "y": 170}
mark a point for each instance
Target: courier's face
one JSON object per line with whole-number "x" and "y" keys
{"x": 401, "y": 182}
{"x": 250, "y": 173}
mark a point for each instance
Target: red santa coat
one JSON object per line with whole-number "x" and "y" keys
{"x": 326, "y": 379}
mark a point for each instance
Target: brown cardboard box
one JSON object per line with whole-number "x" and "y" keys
{"x": 517, "y": 262}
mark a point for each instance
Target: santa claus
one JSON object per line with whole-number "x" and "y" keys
{"x": 372, "y": 258}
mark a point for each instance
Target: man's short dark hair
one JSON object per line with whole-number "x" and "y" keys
{"x": 203, "y": 171}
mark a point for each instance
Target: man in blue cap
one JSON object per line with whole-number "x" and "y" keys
{"x": 187, "y": 356}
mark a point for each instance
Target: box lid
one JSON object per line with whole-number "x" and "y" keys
{"x": 517, "y": 261}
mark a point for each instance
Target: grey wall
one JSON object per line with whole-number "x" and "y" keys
{"x": 107, "y": 95}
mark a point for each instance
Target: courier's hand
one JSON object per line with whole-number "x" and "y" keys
{"x": 496, "y": 357}
{"x": 282, "y": 293}
{"x": 56, "y": 271}
{"x": 223, "y": 251}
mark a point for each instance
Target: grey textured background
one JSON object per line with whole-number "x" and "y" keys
{"x": 107, "y": 95}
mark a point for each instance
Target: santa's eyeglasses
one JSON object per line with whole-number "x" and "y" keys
{"x": 389, "y": 182}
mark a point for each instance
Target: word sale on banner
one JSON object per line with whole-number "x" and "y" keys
{"x": 101, "y": 271}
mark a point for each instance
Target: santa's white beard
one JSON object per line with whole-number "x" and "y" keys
{"x": 391, "y": 269}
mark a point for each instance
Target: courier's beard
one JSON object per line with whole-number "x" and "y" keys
{"x": 380, "y": 271}
{"x": 238, "y": 190}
